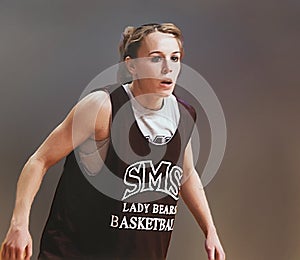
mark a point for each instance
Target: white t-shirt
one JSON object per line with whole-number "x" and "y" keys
{"x": 158, "y": 126}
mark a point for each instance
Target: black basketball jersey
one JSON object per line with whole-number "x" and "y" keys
{"x": 136, "y": 222}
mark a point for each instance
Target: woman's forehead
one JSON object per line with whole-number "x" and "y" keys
{"x": 158, "y": 41}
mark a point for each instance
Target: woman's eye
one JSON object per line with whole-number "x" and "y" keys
{"x": 156, "y": 59}
{"x": 175, "y": 58}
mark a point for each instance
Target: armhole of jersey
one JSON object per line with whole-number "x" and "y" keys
{"x": 90, "y": 159}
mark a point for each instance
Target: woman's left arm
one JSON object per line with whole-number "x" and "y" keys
{"x": 192, "y": 192}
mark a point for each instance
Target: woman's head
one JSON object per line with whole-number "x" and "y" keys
{"x": 152, "y": 55}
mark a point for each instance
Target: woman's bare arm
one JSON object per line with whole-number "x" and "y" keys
{"x": 194, "y": 197}
{"x": 90, "y": 117}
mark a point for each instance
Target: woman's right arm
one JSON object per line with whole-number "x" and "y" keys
{"x": 90, "y": 117}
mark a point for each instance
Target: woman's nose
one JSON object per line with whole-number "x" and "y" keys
{"x": 166, "y": 67}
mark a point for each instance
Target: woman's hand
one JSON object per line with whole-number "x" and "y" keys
{"x": 17, "y": 244}
{"x": 213, "y": 246}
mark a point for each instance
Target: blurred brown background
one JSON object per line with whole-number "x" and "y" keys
{"x": 249, "y": 53}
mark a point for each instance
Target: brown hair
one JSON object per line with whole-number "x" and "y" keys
{"x": 132, "y": 38}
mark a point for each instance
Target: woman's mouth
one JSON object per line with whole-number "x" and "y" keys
{"x": 166, "y": 83}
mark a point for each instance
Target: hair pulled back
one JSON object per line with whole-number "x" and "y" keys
{"x": 132, "y": 37}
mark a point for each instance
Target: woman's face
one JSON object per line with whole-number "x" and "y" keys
{"x": 157, "y": 65}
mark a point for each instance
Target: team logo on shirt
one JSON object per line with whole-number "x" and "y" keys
{"x": 143, "y": 176}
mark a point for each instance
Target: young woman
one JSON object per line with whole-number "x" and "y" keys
{"x": 142, "y": 133}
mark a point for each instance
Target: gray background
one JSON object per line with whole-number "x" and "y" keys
{"x": 249, "y": 53}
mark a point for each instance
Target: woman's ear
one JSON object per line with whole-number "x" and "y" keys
{"x": 130, "y": 65}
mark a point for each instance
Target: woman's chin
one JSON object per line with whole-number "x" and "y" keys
{"x": 166, "y": 89}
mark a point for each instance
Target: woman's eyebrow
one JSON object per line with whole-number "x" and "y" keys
{"x": 159, "y": 52}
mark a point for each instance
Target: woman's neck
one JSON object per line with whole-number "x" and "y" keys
{"x": 148, "y": 100}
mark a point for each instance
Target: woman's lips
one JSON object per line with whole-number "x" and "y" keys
{"x": 166, "y": 83}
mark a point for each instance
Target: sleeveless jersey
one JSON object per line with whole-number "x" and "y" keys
{"x": 137, "y": 222}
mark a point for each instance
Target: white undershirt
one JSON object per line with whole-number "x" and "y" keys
{"x": 158, "y": 126}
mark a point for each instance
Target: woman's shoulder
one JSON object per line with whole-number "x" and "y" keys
{"x": 94, "y": 112}
{"x": 97, "y": 100}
